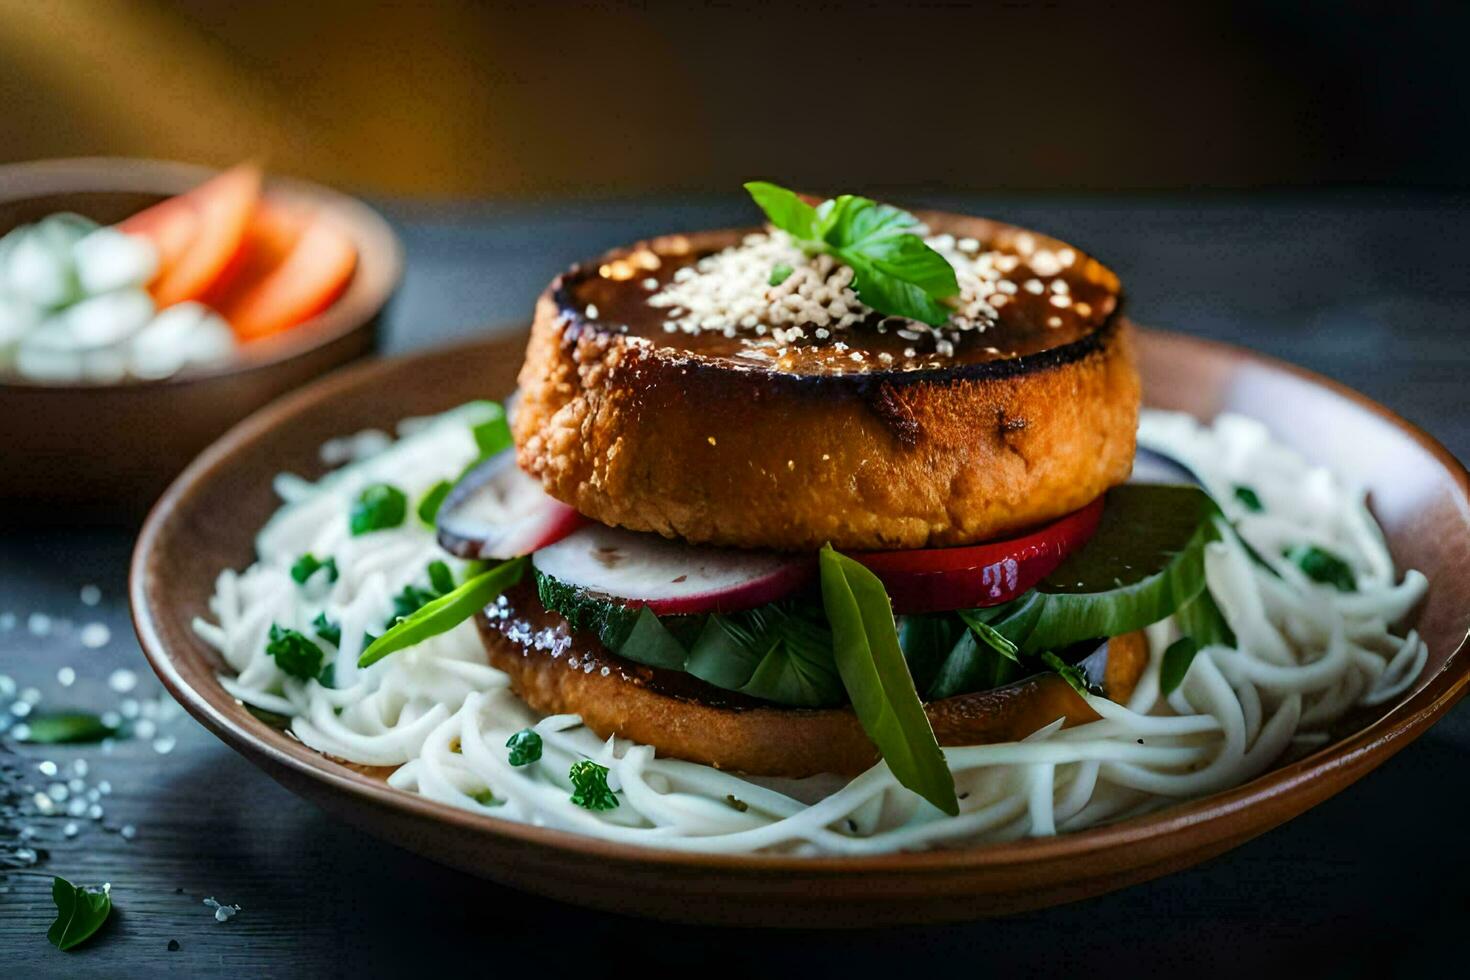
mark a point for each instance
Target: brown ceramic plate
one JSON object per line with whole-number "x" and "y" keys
{"x": 207, "y": 521}
{"x": 109, "y": 450}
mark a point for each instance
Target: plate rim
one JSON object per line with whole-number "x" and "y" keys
{"x": 1369, "y": 746}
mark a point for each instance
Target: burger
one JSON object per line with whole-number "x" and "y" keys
{"x": 846, "y": 487}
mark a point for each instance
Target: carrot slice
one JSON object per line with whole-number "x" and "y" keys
{"x": 291, "y": 268}
{"x": 198, "y": 233}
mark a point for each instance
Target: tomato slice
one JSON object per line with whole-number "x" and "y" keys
{"x": 198, "y": 233}
{"x": 291, "y": 267}
{"x": 941, "y": 579}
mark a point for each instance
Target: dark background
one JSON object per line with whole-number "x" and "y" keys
{"x": 1286, "y": 177}
{"x": 524, "y": 100}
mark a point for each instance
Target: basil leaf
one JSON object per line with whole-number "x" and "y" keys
{"x": 79, "y": 914}
{"x": 1145, "y": 561}
{"x": 982, "y": 658}
{"x": 525, "y": 747}
{"x": 295, "y": 653}
{"x": 873, "y": 670}
{"x": 894, "y": 271}
{"x": 377, "y": 507}
{"x": 1177, "y": 658}
{"x": 66, "y": 728}
{"x": 785, "y": 209}
{"x": 1323, "y": 566}
{"x": 445, "y": 612}
{"x": 428, "y": 508}
{"x": 928, "y": 641}
{"x": 589, "y": 786}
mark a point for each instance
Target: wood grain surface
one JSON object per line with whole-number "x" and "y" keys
{"x": 1365, "y": 288}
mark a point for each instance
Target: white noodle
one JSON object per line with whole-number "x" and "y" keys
{"x": 440, "y": 715}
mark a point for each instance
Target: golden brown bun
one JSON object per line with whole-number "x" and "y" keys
{"x": 686, "y": 719}
{"x": 638, "y": 432}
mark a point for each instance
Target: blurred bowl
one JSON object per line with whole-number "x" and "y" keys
{"x": 105, "y": 451}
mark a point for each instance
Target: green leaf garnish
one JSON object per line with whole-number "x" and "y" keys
{"x": 428, "y": 508}
{"x": 780, "y": 272}
{"x": 1249, "y": 499}
{"x": 440, "y": 577}
{"x": 1177, "y": 658}
{"x": 1323, "y": 566}
{"x": 294, "y": 653}
{"x": 307, "y": 565}
{"x": 486, "y": 798}
{"x": 377, "y": 508}
{"x": 327, "y": 630}
{"x": 80, "y": 912}
{"x": 525, "y": 747}
{"x": 446, "y": 612}
{"x": 589, "y": 786}
{"x": 492, "y": 436}
{"x": 328, "y": 676}
{"x": 877, "y": 679}
{"x": 894, "y": 271}
{"x": 1070, "y": 673}
{"x": 981, "y": 657}
{"x": 66, "y": 728}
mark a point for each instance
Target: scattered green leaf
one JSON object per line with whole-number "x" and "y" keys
{"x": 378, "y": 507}
{"x": 1323, "y": 566}
{"x": 66, "y": 728}
{"x": 486, "y": 798}
{"x": 1249, "y": 499}
{"x": 440, "y": 577}
{"x": 428, "y": 508}
{"x": 328, "y": 676}
{"x": 1070, "y": 673}
{"x": 492, "y": 436}
{"x": 780, "y": 272}
{"x": 80, "y": 912}
{"x": 877, "y": 679}
{"x": 589, "y": 786}
{"x": 525, "y": 747}
{"x": 294, "y": 652}
{"x": 327, "y": 630}
{"x": 445, "y": 612}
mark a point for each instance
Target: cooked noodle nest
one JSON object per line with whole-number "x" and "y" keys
{"x": 440, "y": 716}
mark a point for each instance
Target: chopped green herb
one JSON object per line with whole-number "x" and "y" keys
{"x": 779, "y": 274}
{"x": 378, "y": 507}
{"x": 1070, "y": 673}
{"x": 70, "y": 727}
{"x": 440, "y": 577}
{"x": 409, "y": 601}
{"x": 486, "y": 798}
{"x": 736, "y": 803}
{"x": 1249, "y": 499}
{"x": 304, "y": 568}
{"x": 1323, "y": 566}
{"x": 525, "y": 747}
{"x": 492, "y": 436}
{"x": 877, "y": 679}
{"x": 445, "y": 612}
{"x": 1177, "y": 658}
{"x": 294, "y": 652}
{"x": 428, "y": 508}
{"x": 894, "y": 271}
{"x": 327, "y": 630}
{"x": 328, "y": 676}
{"x": 589, "y": 786}
{"x": 80, "y": 912}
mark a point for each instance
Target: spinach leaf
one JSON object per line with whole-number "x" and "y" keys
{"x": 80, "y": 912}
{"x": 778, "y": 653}
{"x": 294, "y": 652}
{"x": 873, "y": 670}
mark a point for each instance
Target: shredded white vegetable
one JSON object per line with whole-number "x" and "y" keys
{"x": 440, "y": 716}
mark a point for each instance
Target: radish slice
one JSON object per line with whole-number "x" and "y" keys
{"x": 670, "y": 577}
{"x": 498, "y": 512}
{"x": 941, "y": 579}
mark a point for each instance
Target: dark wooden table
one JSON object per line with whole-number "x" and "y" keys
{"x": 1371, "y": 289}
